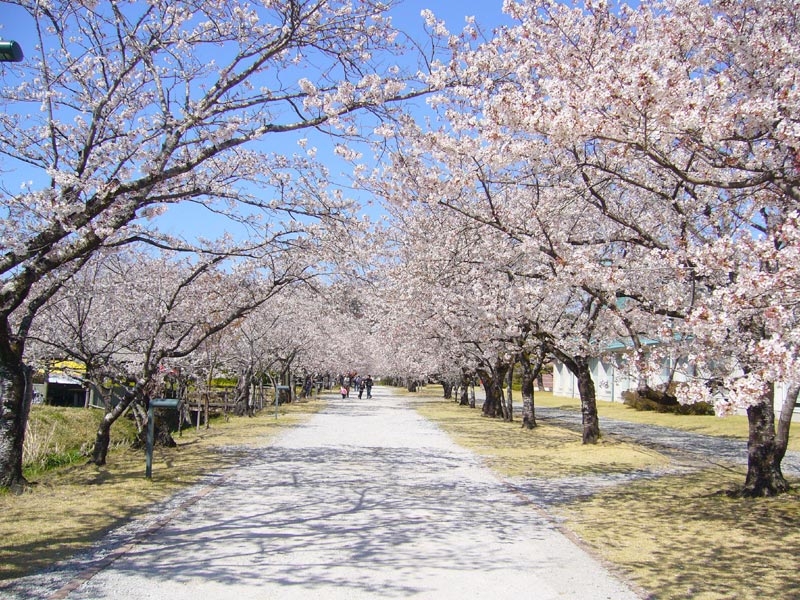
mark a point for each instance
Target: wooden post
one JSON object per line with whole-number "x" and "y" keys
{"x": 148, "y": 469}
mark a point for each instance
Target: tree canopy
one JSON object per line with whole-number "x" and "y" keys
{"x": 588, "y": 173}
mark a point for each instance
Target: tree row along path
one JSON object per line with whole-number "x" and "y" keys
{"x": 365, "y": 500}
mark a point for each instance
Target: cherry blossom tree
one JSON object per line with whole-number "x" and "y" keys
{"x": 133, "y": 317}
{"x": 315, "y": 328}
{"x": 514, "y": 240}
{"x": 277, "y": 340}
{"x": 644, "y": 160}
{"x": 451, "y": 295}
{"x": 678, "y": 116}
{"x": 650, "y": 154}
{"x": 139, "y": 106}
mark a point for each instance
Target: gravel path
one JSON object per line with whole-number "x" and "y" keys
{"x": 365, "y": 500}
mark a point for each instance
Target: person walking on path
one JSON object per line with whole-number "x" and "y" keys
{"x": 352, "y": 504}
{"x": 369, "y": 383}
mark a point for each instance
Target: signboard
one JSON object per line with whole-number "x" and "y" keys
{"x": 164, "y": 402}
{"x": 151, "y": 429}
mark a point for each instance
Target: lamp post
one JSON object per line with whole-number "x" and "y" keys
{"x": 10, "y": 51}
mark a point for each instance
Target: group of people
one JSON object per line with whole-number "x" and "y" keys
{"x": 354, "y": 380}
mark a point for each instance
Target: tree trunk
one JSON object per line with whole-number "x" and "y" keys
{"x": 508, "y": 412}
{"x": 591, "y": 422}
{"x": 493, "y": 386}
{"x": 241, "y": 402}
{"x": 463, "y": 394}
{"x": 287, "y": 378}
{"x": 447, "y": 387}
{"x": 489, "y": 408}
{"x": 463, "y": 398}
{"x": 140, "y": 419}
{"x": 102, "y": 438}
{"x": 785, "y": 421}
{"x": 764, "y": 476}
{"x": 16, "y": 395}
{"x": 163, "y": 434}
{"x": 528, "y": 377}
{"x": 579, "y": 366}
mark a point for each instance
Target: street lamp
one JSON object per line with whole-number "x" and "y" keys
{"x": 10, "y": 51}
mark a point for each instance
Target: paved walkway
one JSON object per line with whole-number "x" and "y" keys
{"x": 365, "y": 500}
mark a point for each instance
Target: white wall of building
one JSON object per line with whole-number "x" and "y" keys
{"x": 610, "y": 382}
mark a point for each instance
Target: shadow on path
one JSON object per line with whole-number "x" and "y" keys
{"x": 365, "y": 500}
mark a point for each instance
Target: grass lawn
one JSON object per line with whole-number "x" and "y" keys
{"x": 89, "y": 500}
{"x": 732, "y": 427}
{"x": 674, "y": 535}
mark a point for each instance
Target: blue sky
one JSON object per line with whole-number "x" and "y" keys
{"x": 487, "y": 12}
{"x": 189, "y": 221}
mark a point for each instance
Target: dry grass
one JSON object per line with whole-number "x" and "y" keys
{"x": 89, "y": 500}
{"x": 676, "y": 536}
{"x": 58, "y": 436}
{"x": 735, "y": 426}
{"x": 732, "y": 427}
{"x": 546, "y": 451}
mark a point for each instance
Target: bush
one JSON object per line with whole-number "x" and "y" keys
{"x": 663, "y": 402}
